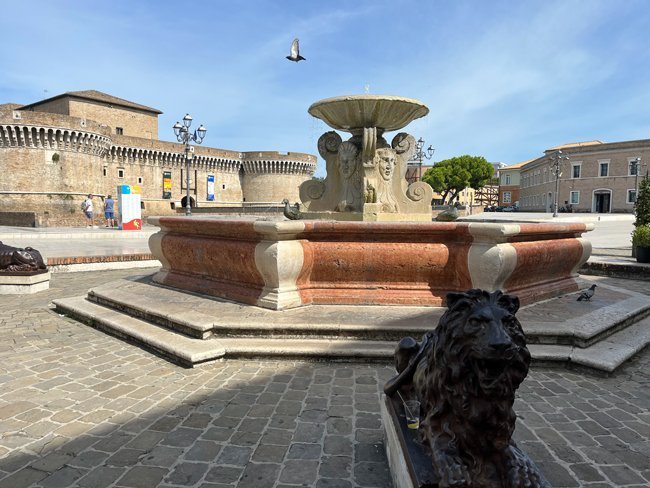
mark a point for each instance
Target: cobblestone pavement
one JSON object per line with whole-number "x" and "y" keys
{"x": 80, "y": 408}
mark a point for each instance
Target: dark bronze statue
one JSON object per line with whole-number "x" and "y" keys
{"x": 465, "y": 374}
{"x": 16, "y": 260}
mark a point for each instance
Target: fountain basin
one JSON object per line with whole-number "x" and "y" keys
{"x": 286, "y": 264}
{"x": 354, "y": 112}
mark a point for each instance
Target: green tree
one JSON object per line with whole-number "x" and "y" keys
{"x": 451, "y": 176}
{"x": 642, "y": 204}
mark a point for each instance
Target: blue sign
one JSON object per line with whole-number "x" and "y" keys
{"x": 210, "y": 187}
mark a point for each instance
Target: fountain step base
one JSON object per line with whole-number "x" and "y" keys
{"x": 191, "y": 328}
{"x": 190, "y": 352}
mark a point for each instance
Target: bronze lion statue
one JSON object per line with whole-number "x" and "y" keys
{"x": 19, "y": 260}
{"x": 465, "y": 374}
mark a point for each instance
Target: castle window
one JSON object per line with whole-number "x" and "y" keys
{"x": 139, "y": 180}
{"x": 120, "y": 172}
{"x": 105, "y": 170}
{"x": 119, "y": 131}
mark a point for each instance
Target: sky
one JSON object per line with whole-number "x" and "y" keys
{"x": 503, "y": 79}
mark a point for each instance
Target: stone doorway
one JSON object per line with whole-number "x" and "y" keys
{"x": 602, "y": 201}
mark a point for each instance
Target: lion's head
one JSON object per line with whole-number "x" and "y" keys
{"x": 480, "y": 339}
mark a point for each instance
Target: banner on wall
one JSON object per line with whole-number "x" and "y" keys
{"x": 167, "y": 184}
{"x": 210, "y": 187}
{"x": 128, "y": 201}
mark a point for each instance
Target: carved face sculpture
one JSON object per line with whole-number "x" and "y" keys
{"x": 347, "y": 159}
{"x": 386, "y": 163}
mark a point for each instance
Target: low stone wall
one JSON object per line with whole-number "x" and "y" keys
{"x": 19, "y": 219}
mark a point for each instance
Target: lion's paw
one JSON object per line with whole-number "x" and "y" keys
{"x": 453, "y": 472}
{"x": 522, "y": 471}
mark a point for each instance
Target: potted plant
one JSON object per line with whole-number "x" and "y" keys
{"x": 641, "y": 242}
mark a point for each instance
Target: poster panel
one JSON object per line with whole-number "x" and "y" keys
{"x": 167, "y": 184}
{"x": 130, "y": 212}
{"x": 211, "y": 187}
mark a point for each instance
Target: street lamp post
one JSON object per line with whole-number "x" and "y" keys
{"x": 556, "y": 169}
{"x": 636, "y": 177}
{"x": 184, "y": 136}
{"x": 420, "y": 155}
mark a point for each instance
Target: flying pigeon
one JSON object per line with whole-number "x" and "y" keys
{"x": 295, "y": 52}
{"x": 587, "y": 294}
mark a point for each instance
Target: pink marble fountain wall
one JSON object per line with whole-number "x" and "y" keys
{"x": 293, "y": 263}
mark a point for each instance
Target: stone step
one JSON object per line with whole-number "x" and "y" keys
{"x": 178, "y": 347}
{"x": 564, "y": 321}
{"x": 558, "y": 321}
{"x": 604, "y": 356}
{"x": 189, "y": 351}
{"x": 203, "y": 317}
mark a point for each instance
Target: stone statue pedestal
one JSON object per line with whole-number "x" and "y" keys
{"x": 365, "y": 175}
{"x": 15, "y": 284}
{"x": 410, "y": 467}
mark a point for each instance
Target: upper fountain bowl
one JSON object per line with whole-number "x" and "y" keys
{"x": 354, "y": 112}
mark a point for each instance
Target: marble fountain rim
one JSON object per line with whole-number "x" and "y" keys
{"x": 503, "y": 229}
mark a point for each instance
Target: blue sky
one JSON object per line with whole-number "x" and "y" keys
{"x": 502, "y": 79}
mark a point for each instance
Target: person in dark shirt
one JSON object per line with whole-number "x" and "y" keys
{"x": 109, "y": 211}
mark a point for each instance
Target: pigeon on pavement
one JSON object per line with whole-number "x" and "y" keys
{"x": 295, "y": 52}
{"x": 587, "y": 294}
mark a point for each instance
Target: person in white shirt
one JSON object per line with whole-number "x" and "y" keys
{"x": 88, "y": 210}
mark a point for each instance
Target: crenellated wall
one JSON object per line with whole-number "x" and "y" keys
{"x": 269, "y": 175}
{"x": 49, "y": 162}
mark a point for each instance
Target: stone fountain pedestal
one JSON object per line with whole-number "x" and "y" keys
{"x": 366, "y": 175}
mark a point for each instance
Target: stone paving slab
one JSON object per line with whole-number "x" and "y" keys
{"x": 81, "y": 408}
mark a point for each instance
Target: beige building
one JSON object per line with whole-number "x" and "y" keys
{"x": 56, "y": 151}
{"x": 509, "y": 184}
{"x": 597, "y": 177}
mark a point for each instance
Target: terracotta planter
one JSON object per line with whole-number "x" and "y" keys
{"x": 643, "y": 254}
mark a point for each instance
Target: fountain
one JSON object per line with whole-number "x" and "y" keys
{"x": 355, "y": 275}
{"x": 367, "y": 238}
{"x": 366, "y": 176}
